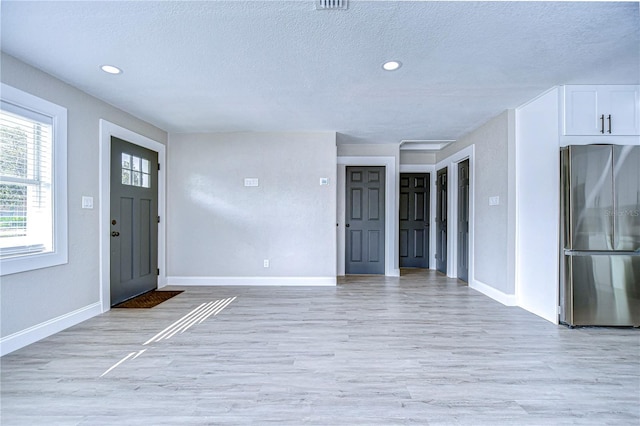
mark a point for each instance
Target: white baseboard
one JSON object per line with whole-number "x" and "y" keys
{"x": 37, "y": 332}
{"x": 258, "y": 281}
{"x": 497, "y": 295}
{"x": 549, "y": 316}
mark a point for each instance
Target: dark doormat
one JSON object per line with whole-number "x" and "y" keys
{"x": 148, "y": 300}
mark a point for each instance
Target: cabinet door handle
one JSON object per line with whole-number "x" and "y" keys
{"x": 609, "y": 118}
{"x": 602, "y": 124}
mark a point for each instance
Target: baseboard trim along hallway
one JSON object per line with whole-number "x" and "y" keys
{"x": 31, "y": 335}
{"x": 251, "y": 281}
{"x": 497, "y": 295}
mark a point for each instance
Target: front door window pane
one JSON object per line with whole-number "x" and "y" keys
{"x": 136, "y": 171}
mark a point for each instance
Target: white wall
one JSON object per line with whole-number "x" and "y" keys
{"x": 39, "y": 303}
{"x": 491, "y": 225}
{"x": 538, "y": 181}
{"x": 219, "y": 231}
{"x": 493, "y": 240}
{"x": 417, "y": 157}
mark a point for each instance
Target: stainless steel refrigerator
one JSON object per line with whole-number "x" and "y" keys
{"x": 600, "y": 235}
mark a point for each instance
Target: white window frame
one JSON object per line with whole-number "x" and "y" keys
{"x": 58, "y": 114}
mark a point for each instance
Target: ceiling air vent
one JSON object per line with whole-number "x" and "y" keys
{"x": 332, "y": 4}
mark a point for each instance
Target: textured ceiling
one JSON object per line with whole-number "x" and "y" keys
{"x": 219, "y": 66}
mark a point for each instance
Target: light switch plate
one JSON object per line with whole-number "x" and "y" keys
{"x": 251, "y": 182}
{"x": 324, "y": 181}
{"x": 494, "y": 201}
{"x": 87, "y": 202}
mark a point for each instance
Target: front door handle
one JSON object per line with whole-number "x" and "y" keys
{"x": 347, "y": 225}
{"x": 115, "y": 234}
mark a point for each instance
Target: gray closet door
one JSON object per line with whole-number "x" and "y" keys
{"x": 365, "y": 220}
{"x": 134, "y": 220}
{"x": 463, "y": 220}
{"x": 414, "y": 220}
{"x": 441, "y": 221}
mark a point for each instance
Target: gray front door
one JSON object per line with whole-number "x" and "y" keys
{"x": 134, "y": 220}
{"x": 414, "y": 220}
{"x": 365, "y": 220}
{"x": 463, "y": 220}
{"x": 441, "y": 221}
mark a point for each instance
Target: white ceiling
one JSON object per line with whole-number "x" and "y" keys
{"x": 220, "y": 66}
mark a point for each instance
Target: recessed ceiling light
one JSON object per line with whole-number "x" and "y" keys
{"x": 111, "y": 69}
{"x": 391, "y": 65}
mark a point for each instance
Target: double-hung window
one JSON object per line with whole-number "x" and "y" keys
{"x": 33, "y": 204}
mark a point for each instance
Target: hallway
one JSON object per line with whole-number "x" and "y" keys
{"x": 419, "y": 349}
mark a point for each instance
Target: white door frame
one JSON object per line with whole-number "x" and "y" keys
{"x": 108, "y": 129}
{"x": 451, "y": 163}
{"x": 391, "y": 202}
{"x": 431, "y": 169}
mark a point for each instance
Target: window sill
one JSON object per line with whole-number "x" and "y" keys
{"x": 30, "y": 262}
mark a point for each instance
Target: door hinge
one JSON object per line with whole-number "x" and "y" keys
{"x": 158, "y": 219}
{"x": 158, "y": 271}
{"x": 158, "y": 166}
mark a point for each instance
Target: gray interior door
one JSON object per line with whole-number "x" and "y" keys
{"x": 414, "y": 220}
{"x": 365, "y": 220}
{"x": 441, "y": 221}
{"x": 134, "y": 220}
{"x": 463, "y": 220}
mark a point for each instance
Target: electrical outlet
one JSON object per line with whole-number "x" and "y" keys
{"x": 266, "y": 263}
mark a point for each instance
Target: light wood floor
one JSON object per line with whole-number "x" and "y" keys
{"x": 420, "y": 349}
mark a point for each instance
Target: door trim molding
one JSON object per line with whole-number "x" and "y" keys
{"x": 423, "y": 169}
{"x": 451, "y": 163}
{"x": 108, "y": 129}
{"x": 431, "y": 169}
{"x": 391, "y": 202}
{"x": 457, "y": 216}
{"x": 436, "y": 208}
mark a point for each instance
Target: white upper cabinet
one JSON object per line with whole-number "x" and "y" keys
{"x": 591, "y": 110}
